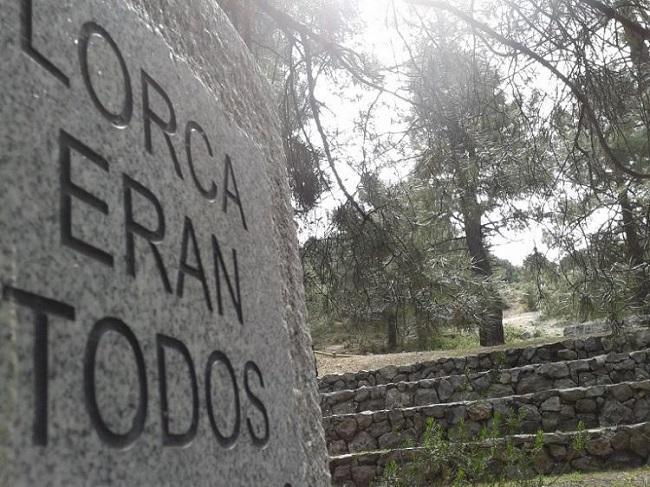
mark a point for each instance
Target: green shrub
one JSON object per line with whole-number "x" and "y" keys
{"x": 493, "y": 459}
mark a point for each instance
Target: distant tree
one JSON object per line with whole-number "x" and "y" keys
{"x": 474, "y": 153}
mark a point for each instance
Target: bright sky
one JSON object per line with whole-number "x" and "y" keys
{"x": 381, "y": 38}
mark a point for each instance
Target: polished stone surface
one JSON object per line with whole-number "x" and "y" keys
{"x": 152, "y": 318}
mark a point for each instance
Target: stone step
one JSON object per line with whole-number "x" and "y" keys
{"x": 602, "y": 369}
{"x": 576, "y": 348}
{"x": 552, "y": 410}
{"x": 622, "y": 447}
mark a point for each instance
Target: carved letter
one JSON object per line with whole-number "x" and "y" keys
{"x": 169, "y": 438}
{"x": 122, "y": 119}
{"x": 134, "y": 228}
{"x": 70, "y": 189}
{"x": 111, "y": 438}
{"x": 168, "y": 127}
{"x": 42, "y": 307}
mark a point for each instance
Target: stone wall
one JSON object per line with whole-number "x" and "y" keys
{"x": 606, "y": 448}
{"x": 550, "y": 410}
{"x": 555, "y": 352}
{"x": 602, "y": 369}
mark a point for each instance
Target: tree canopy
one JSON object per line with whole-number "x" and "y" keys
{"x": 487, "y": 118}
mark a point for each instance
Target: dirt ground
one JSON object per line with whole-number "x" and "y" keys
{"x": 630, "y": 478}
{"x": 342, "y": 363}
{"x": 347, "y": 362}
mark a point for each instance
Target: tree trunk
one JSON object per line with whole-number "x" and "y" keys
{"x": 421, "y": 329}
{"x": 491, "y": 326}
{"x": 638, "y": 52}
{"x": 390, "y": 318}
{"x": 634, "y": 249}
{"x": 641, "y": 58}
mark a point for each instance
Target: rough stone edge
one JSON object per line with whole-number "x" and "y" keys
{"x": 477, "y": 375}
{"x": 381, "y": 457}
{"x": 526, "y": 399}
{"x": 199, "y": 32}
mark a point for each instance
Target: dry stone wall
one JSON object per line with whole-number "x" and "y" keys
{"x": 556, "y": 352}
{"x": 625, "y": 446}
{"x": 551, "y": 410}
{"x": 602, "y": 369}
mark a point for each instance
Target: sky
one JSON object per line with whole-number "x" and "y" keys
{"x": 380, "y": 37}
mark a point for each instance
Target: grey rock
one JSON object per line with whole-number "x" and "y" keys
{"x": 482, "y": 382}
{"x": 363, "y": 475}
{"x": 639, "y": 444}
{"x": 388, "y": 372}
{"x": 599, "y": 447}
{"x": 361, "y": 394}
{"x": 425, "y": 396}
{"x": 550, "y": 422}
{"x": 395, "y": 399}
{"x": 551, "y": 404}
{"x": 379, "y": 428}
{"x": 622, "y": 392}
{"x": 396, "y": 418}
{"x": 554, "y": 370}
{"x": 528, "y": 354}
{"x": 364, "y": 420}
{"x": 614, "y": 413}
{"x": 586, "y": 406}
{"x": 592, "y": 344}
{"x": 628, "y": 364}
{"x": 564, "y": 384}
{"x": 579, "y": 366}
{"x": 193, "y": 53}
{"x": 344, "y": 408}
{"x": 479, "y": 411}
{"x": 455, "y": 414}
{"x": 529, "y": 413}
{"x": 641, "y": 410}
{"x": 542, "y": 462}
{"x": 342, "y": 472}
{"x": 620, "y": 440}
{"x": 346, "y": 429}
{"x": 389, "y": 440}
{"x": 436, "y": 411}
{"x": 338, "y": 446}
{"x": 499, "y": 390}
{"x": 567, "y": 411}
{"x": 533, "y": 383}
{"x": 362, "y": 442}
{"x": 595, "y": 392}
{"x": 505, "y": 378}
{"x": 445, "y": 390}
{"x": 558, "y": 452}
{"x": 345, "y": 395}
{"x": 586, "y": 463}
{"x": 567, "y": 355}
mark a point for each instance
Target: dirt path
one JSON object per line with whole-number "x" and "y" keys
{"x": 355, "y": 363}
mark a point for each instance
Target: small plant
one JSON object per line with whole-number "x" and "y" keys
{"x": 495, "y": 458}
{"x": 500, "y": 360}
